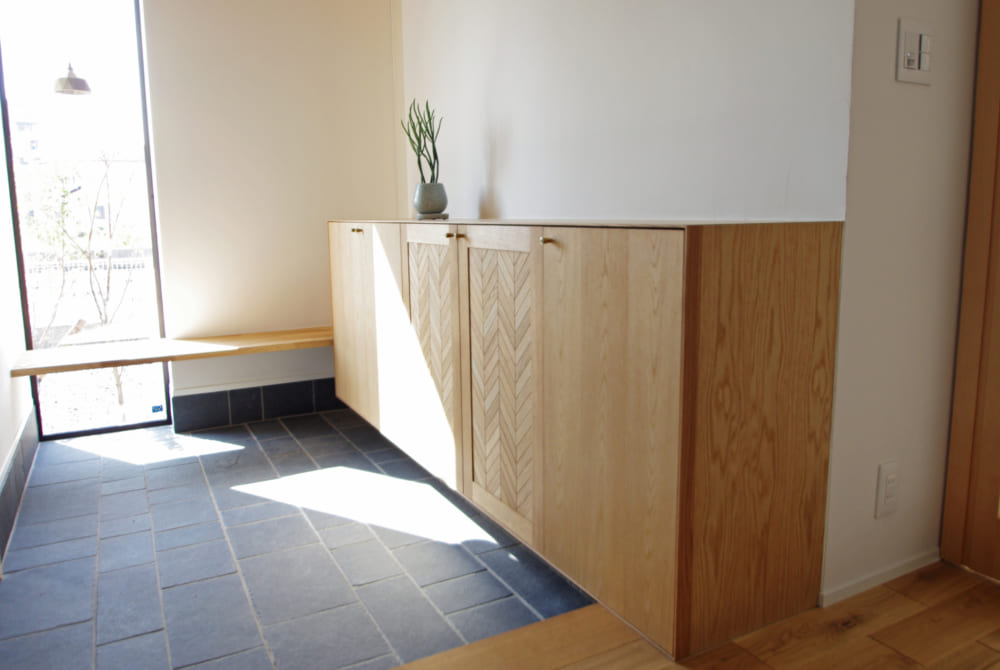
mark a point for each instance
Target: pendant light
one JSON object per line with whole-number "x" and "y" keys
{"x": 71, "y": 84}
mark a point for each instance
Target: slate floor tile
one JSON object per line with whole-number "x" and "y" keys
{"x": 194, "y": 491}
{"x": 208, "y": 620}
{"x": 290, "y": 584}
{"x": 144, "y": 651}
{"x": 123, "y": 485}
{"x": 309, "y": 425}
{"x": 324, "y": 446}
{"x": 344, "y": 418}
{"x": 118, "y": 505}
{"x": 175, "y": 475}
{"x": 228, "y": 497}
{"x": 187, "y": 535}
{"x": 380, "y": 663}
{"x": 321, "y": 520}
{"x": 194, "y": 563}
{"x": 342, "y": 535}
{"x": 125, "y": 551}
{"x": 287, "y": 457}
{"x": 386, "y": 455}
{"x": 54, "y": 453}
{"x": 331, "y": 639}
{"x": 260, "y": 512}
{"x": 492, "y": 619}
{"x": 541, "y": 586}
{"x": 255, "y": 659}
{"x": 496, "y": 537}
{"x": 34, "y": 557}
{"x": 466, "y": 591}
{"x": 366, "y": 562}
{"x": 46, "y": 597}
{"x": 267, "y": 430}
{"x": 407, "y": 619}
{"x": 404, "y": 469}
{"x": 112, "y": 470}
{"x": 64, "y": 472}
{"x": 432, "y": 562}
{"x": 366, "y": 438}
{"x": 126, "y": 525}
{"x": 271, "y": 535}
{"x": 49, "y": 532}
{"x": 182, "y": 513}
{"x": 355, "y": 461}
{"x": 128, "y": 604}
{"x": 394, "y": 539}
{"x": 67, "y": 648}
{"x": 59, "y": 501}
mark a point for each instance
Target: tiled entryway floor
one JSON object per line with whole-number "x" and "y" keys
{"x": 307, "y": 542}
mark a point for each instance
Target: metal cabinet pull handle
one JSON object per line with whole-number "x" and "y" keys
{"x": 456, "y": 236}
{"x": 357, "y": 230}
{"x": 545, "y": 240}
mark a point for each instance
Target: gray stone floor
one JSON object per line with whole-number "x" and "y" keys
{"x": 306, "y": 542}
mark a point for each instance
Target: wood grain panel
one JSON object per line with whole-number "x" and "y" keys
{"x": 934, "y": 583}
{"x": 980, "y": 245}
{"x": 807, "y": 637}
{"x": 500, "y": 316}
{"x": 352, "y": 287}
{"x": 501, "y": 301}
{"x": 550, "y": 644}
{"x": 760, "y": 338}
{"x": 433, "y": 284}
{"x": 931, "y": 635}
{"x": 611, "y": 403}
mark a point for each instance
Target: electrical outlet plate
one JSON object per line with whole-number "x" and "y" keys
{"x": 914, "y": 49}
{"x": 887, "y": 490}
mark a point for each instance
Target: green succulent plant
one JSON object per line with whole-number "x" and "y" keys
{"x": 422, "y": 128}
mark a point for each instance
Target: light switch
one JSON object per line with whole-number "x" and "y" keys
{"x": 913, "y": 52}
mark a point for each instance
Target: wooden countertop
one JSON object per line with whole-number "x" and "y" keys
{"x": 136, "y": 352}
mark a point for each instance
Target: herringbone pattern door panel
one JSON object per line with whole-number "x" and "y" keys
{"x": 502, "y": 334}
{"x": 432, "y": 295}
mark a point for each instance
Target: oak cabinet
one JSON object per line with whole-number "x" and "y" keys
{"x": 352, "y": 282}
{"x": 647, "y": 407}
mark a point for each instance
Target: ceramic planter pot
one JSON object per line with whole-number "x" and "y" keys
{"x": 429, "y": 199}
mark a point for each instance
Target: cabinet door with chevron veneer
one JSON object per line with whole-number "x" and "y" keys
{"x": 432, "y": 272}
{"x": 500, "y": 272}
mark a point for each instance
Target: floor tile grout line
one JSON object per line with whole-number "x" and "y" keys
{"x": 354, "y": 590}
{"x": 232, "y": 553}
{"x": 156, "y": 571}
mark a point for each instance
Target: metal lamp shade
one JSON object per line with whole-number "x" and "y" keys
{"x": 71, "y": 84}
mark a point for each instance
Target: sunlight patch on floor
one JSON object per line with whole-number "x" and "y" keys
{"x": 410, "y": 507}
{"x": 126, "y": 448}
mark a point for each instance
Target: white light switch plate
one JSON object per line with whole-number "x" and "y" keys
{"x": 914, "y": 41}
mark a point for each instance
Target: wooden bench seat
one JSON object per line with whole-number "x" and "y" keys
{"x": 137, "y": 352}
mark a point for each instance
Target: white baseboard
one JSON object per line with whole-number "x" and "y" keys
{"x": 828, "y": 597}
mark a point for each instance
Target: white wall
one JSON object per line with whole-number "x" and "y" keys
{"x": 15, "y": 394}
{"x": 638, "y": 109}
{"x": 734, "y": 110}
{"x": 900, "y": 287}
{"x": 268, "y": 119}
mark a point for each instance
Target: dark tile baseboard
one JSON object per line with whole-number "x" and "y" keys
{"x": 13, "y": 482}
{"x": 246, "y": 405}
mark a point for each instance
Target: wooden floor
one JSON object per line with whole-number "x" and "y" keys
{"x": 937, "y": 617}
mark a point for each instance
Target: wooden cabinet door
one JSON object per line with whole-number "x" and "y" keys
{"x": 501, "y": 304}
{"x": 970, "y": 533}
{"x": 432, "y": 275}
{"x": 612, "y": 383}
{"x": 354, "y": 335}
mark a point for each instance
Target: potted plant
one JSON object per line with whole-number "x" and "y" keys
{"x": 422, "y": 128}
